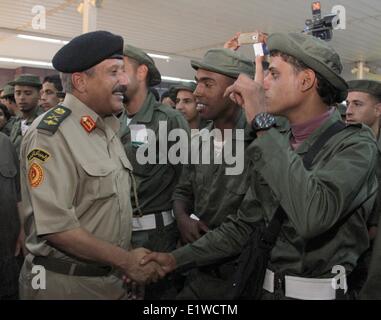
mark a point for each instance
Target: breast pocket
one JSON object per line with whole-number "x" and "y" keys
{"x": 99, "y": 179}
{"x": 7, "y": 171}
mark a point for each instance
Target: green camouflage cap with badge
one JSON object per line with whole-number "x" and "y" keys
{"x": 30, "y": 80}
{"x": 187, "y": 86}
{"x": 226, "y": 62}
{"x": 316, "y": 54}
{"x": 368, "y": 86}
{"x": 8, "y": 91}
{"x": 141, "y": 57}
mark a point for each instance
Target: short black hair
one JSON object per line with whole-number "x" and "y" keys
{"x": 164, "y": 95}
{"x": 6, "y": 112}
{"x": 10, "y": 98}
{"x": 326, "y": 91}
{"x": 56, "y": 80}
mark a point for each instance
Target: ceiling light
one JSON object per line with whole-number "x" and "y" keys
{"x": 174, "y": 79}
{"x": 42, "y": 39}
{"x": 26, "y": 62}
{"x": 159, "y": 56}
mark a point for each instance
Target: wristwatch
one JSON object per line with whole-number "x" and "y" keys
{"x": 263, "y": 121}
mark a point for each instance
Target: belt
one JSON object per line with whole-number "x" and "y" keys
{"x": 303, "y": 288}
{"x": 152, "y": 221}
{"x": 71, "y": 269}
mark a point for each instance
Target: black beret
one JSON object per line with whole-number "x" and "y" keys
{"x": 87, "y": 50}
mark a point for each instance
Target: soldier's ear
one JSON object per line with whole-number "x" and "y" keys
{"x": 142, "y": 72}
{"x": 378, "y": 109}
{"x": 78, "y": 81}
{"x": 307, "y": 79}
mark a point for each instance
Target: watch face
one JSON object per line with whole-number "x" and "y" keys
{"x": 263, "y": 121}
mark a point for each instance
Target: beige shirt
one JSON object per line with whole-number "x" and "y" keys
{"x": 75, "y": 178}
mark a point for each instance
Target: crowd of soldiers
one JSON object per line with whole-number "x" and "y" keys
{"x": 77, "y": 200}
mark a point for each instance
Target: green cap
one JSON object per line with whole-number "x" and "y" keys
{"x": 27, "y": 80}
{"x": 226, "y": 62}
{"x": 187, "y": 86}
{"x": 367, "y": 86}
{"x": 143, "y": 58}
{"x": 315, "y": 54}
{"x": 8, "y": 91}
{"x": 342, "y": 109}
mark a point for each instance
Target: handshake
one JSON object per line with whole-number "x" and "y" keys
{"x": 142, "y": 266}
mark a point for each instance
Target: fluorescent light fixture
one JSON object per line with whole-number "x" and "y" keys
{"x": 159, "y": 56}
{"x": 42, "y": 39}
{"x": 174, "y": 79}
{"x": 26, "y": 62}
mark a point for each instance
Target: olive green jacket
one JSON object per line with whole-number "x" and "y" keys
{"x": 16, "y": 134}
{"x": 155, "y": 182}
{"x": 208, "y": 192}
{"x": 341, "y": 181}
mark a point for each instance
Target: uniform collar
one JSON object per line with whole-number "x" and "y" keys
{"x": 145, "y": 114}
{"x": 241, "y": 123}
{"x": 379, "y": 141}
{"x": 79, "y": 110}
{"x": 306, "y": 145}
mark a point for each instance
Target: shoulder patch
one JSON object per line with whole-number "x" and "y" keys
{"x": 39, "y": 154}
{"x": 53, "y": 118}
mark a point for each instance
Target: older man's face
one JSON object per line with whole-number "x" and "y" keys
{"x": 105, "y": 87}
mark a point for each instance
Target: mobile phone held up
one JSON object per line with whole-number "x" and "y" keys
{"x": 257, "y": 39}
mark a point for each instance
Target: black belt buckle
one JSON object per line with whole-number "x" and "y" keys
{"x": 279, "y": 282}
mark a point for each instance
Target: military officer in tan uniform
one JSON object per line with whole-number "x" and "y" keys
{"x": 76, "y": 182}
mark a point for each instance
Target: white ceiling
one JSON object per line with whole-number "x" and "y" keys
{"x": 185, "y": 29}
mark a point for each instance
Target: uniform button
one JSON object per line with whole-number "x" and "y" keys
{"x": 257, "y": 156}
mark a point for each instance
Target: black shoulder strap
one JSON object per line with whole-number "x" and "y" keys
{"x": 320, "y": 142}
{"x": 272, "y": 231}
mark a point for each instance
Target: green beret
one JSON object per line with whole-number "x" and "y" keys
{"x": 315, "y": 54}
{"x": 226, "y": 62}
{"x": 367, "y": 86}
{"x": 87, "y": 50}
{"x": 140, "y": 56}
{"x": 30, "y": 80}
{"x": 8, "y": 91}
{"x": 187, "y": 86}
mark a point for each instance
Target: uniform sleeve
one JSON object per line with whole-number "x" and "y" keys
{"x": 49, "y": 182}
{"x": 315, "y": 200}
{"x": 178, "y": 122}
{"x": 225, "y": 241}
{"x": 184, "y": 190}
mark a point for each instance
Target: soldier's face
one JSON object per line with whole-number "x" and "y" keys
{"x": 210, "y": 101}
{"x": 282, "y": 88}
{"x": 362, "y": 108}
{"x": 186, "y": 104}
{"x": 26, "y": 97}
{"x": 105, "y": 87}
{"x": 131, "y": 68}
{"x": 49, "y": 97}
{"x": 3, "y": 120}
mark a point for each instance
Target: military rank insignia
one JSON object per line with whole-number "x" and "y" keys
{"x": 53, "y": 118}
{"x": 88, "y": 123}
{"x": 35, "y": 175}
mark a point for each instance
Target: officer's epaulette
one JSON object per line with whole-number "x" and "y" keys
{"x": 53, "y": 118}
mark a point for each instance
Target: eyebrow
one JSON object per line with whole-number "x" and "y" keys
{"x": 271, "y": 68}
{"x": 203, "y": 79}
